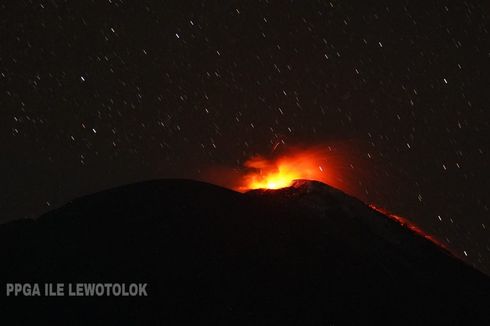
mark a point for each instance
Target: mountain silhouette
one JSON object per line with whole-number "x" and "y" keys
{"x": 303, "y": 255}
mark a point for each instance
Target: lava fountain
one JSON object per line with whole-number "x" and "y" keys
{"x": 279, "y": 172}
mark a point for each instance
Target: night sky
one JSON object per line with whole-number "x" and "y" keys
{"x": 96, "y": 94}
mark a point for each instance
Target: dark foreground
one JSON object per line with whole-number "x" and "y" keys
{"x": 306, "y": 255}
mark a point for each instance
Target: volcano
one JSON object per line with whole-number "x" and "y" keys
{"x": 307, "y": 254}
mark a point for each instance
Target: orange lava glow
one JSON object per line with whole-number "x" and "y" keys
{"x": 312, "y": 164}
{"x": 409, "y": 225}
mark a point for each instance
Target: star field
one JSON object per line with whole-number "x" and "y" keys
{"x": 96, "y": 94}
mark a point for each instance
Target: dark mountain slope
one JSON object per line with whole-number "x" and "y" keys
{"x": 304, "y": 255}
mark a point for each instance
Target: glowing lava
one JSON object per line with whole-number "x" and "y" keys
{"x": 410, "y": 225}
{"x": 280, "y": 172}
